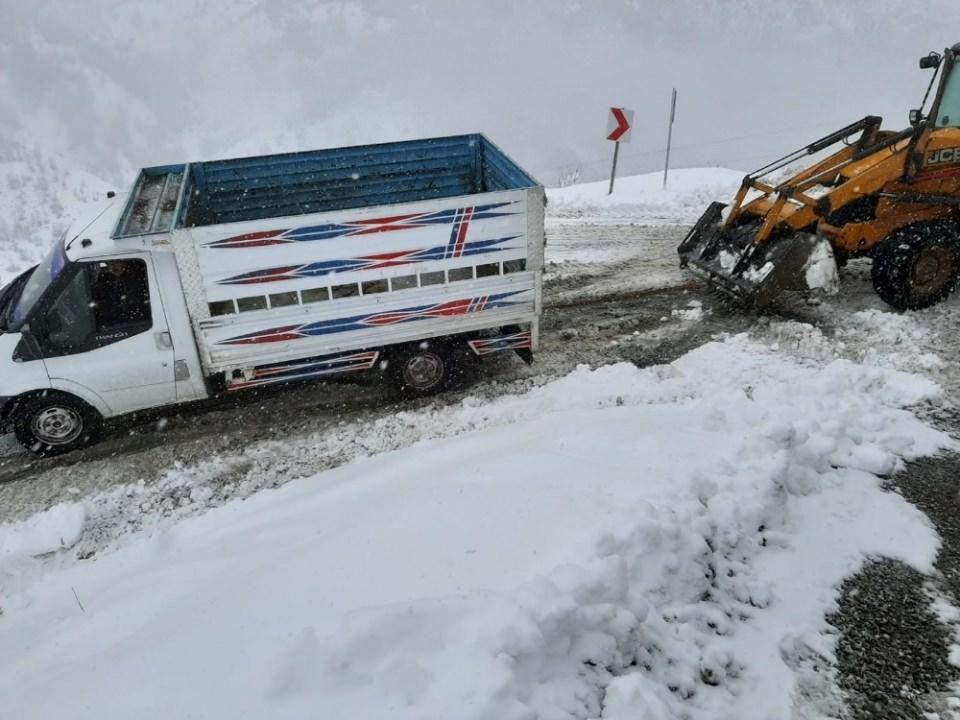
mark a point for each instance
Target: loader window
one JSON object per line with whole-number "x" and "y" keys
{"x": 103, "y": 303}
{"x": 948, "y": 114}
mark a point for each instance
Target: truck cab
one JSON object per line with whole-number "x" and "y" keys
{"x": 86, "y": 335}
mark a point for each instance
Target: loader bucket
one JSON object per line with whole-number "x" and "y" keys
{"x": 751, "y": 272}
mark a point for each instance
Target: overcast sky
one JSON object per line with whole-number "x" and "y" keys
{"x": 114, "y": 85}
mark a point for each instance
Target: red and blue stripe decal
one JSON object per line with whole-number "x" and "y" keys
{"x": 458, "y": 248}
{"x": 459, "y": 218}
{"x": 515, "y": 341}
{"x": 288, "y": 333}
{"x": 305, "y": 369}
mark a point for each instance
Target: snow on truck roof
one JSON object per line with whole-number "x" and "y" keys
{"x": 255, "y": 188}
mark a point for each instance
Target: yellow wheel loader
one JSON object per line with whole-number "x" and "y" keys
{"x": 890, "y": 196}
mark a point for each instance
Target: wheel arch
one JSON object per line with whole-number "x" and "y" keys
{"x": 13, "y": 403}
{"x": 85, "y": 394}
{"x": 914, "y": 225}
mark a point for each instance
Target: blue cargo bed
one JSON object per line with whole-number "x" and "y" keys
{"x": 256, "y": 188}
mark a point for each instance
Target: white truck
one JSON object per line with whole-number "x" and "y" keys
{"x": 230, "y": 275}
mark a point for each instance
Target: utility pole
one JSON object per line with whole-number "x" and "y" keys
{"x": 673, "y": 114}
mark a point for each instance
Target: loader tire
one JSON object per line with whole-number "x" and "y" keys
{"x": 55, "y": 423}
{"x": 917, "y": 266}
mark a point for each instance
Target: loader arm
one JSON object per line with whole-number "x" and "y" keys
{"x": 868, "y": 126}
{"x": 873, "y": 161}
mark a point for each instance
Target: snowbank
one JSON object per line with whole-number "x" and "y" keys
{"x": 643, "y": 198}
{"x": 46, "y": 532}
{"x": 662, "y": 541}
{"x": 24, "y": 545}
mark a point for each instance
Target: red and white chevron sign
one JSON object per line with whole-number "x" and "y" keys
{"x": 620, "y": 124}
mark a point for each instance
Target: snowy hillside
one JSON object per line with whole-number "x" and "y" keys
{"x": 40, "y": 196}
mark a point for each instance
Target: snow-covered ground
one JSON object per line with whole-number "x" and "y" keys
{"x": 615, "y": 542}
{"x": 664, "y": 540}
{"x": 600, "y": 245}
{"x": 643, "y": 198}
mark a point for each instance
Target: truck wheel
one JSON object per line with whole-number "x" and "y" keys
{"x": 56, "y": 423}
{"x": 917, "y": 266}
{"x": 421, "y": 370}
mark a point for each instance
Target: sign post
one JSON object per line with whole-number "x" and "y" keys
{"x": 619, "y": 129}
{"x": 673, "y": 114}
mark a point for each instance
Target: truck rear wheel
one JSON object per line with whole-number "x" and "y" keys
{"x": 422, "y": 369}
{"x": 917, "y": 266}
{"x": 55, "y": 423}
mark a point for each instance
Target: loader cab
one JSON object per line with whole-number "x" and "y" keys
{"x": 946, "y": 109}
{"x": 935, "y": 142}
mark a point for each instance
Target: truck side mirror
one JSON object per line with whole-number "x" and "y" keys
{"x": 916, "y": 117}
{"x": 930, "y": 61}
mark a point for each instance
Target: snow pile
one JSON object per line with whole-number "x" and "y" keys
{"x": 46, "y": 532}
{"x": 895, "y": 340}
{"x": 662, "y": 541}
{"x": 23, "y": 545}
{"x": 873, "y": 337}
{"x": 643, "y": 198}
{"x": 820, "y": 271}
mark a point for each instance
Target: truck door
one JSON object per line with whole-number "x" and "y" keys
{"x": 106, "y": 330}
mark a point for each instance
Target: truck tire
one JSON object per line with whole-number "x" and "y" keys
{"x": 55, "y": 423}
{"x": 422, "y": 369}
{"x": 917, "y": 266}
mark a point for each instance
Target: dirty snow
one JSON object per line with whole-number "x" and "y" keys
{"x": 572, "y": 557}
{"x": 902, "y": 341}
{"x": 758, "y": 274}
{"x": 728, "y": 260}
{"x": 693, "y": 312}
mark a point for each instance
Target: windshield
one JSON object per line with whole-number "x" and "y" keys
{"x": 948, "y": 114}
{"x": 46, "y": 272}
